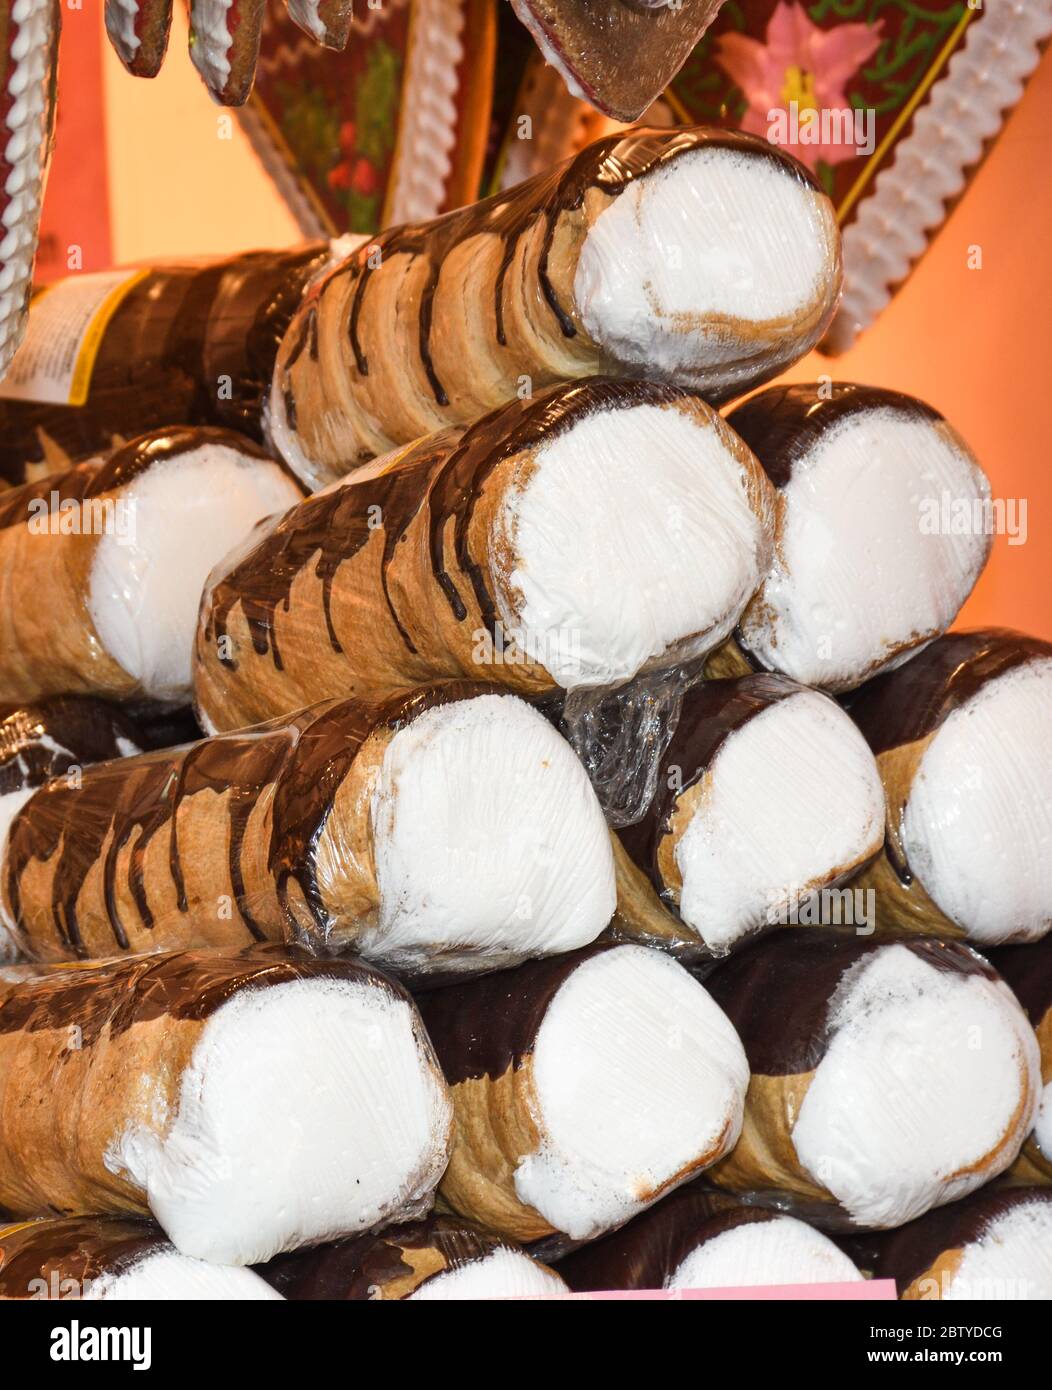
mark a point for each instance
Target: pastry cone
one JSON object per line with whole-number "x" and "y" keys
{"x": 106, "y": 1258}
{"x": 29, "y": 31}
{"x": 699, "y": 1239}
{"x": 54, "y": 738}
{"x": 882, "y": 532}
{"x": 253, "y": 1102}
{"x": 224, "y": 46}
{"x": 994, "y": 1246}
{"x": 704, "y": 257}
{"x": 450, "y": 829}
{"x": 101, "y": 568}
{"x": 886, "y": 1078}
{"x": 1028, "y": 969}
{"x": 766, "y": 795}
{"x": 618, "y": 55}
{"x": 584, "y": 1088}
{"x": 194, "y": 343}
{"x": 438, "y": 1259}
{"x": 571, "y": 540}
{"x": 138, "y": 31}
{"x": 963, "y": 739}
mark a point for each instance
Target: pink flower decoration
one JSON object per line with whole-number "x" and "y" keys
{"x": 799, "y": 63}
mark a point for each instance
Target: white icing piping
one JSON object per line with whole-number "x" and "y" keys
{"x": 984, "y": 79}
{"x": 211, "y": 41}
{"x": 428, "y": 131}
{"x": 26, "y": 155}
{"x": 120, "y": 26}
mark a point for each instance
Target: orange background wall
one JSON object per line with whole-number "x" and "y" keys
{"x": 973, "y": 342}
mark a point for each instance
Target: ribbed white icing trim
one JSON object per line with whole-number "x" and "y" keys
{"x": 966, "y": 107}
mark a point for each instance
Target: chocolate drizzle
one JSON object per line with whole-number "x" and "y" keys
{"x": 608, "y": 165}
{"x": 300, "y": 760}
{"x": 114, "y": 996}
{"x": 440, "y": 478}
{"x": 47, "y": 739}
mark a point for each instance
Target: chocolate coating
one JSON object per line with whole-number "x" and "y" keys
{"x": 909, "y": 1252}
{"x": 777, "y": 992}
{"x": 1027, "y": 969}
{"x": 47, "y": 739}
{"x": 78, "y": 1249}
{"x": 711, "y": 712}
{"x": 161, "y": 355}
{"x": 911, "y": 702}
{"x": 646, "y": 1253}
{"x": 361, "y": 1268}
{"x": 783, "y": 424}
{"x": 488, "y": 1026}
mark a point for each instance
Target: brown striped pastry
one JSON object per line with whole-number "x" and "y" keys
{"x": 138, "y": 31}
{"x": 29, "y": 31}
{"x": 54, "y": 738}
{"x": 451, "y": 828}
{"x": 1028, "y": 969}
{"x": 584, "y": 1088}
{"x": 697, "y": 1238}
{"x": 532, "y": 547}
{"x": 994, "y": 1246}
{"x": 106, "y": 1258}
{"x": 254, "y": 1102}
{"x": 963, "y": 739}
{"x": 767, "y": 798}
{"x": 194, "y": 343}
{"x": 619, "y": 55}
{"x": 884, "y": 526}
{"x": 438, "y": 1259}
{"x": 886, "y": 1078}
{"x": 648, "y": 254}
{"x": 101, "y": 568}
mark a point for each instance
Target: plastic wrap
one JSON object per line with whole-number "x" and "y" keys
{"x": 157, "y": 1084}
{"x": 99, "y": 1258}
{"x": 448, "y": 829}
{"x": 963, "y": 738}
{"x": 645, "y": 255}
{"x": 437, "y": 1259}
{"x": 584, "y": 1088}
{"x": 101, "y": 568}
{"x": 111, "y": 355}
{"x": 868, "y": 1104}
{"x": 767, "y": 798}
{"x": 532, "y": 548}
